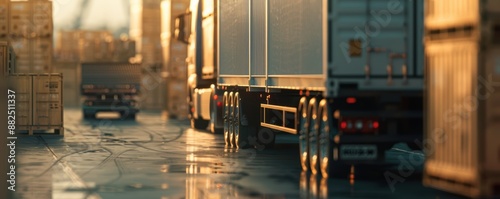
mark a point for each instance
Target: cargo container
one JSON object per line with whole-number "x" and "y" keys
{"x": 145, "y": 29}
{"x": 48, "y": 102}
{"x": 33, "y": 55}
{"x": 110, "y": 87}
{"x": 71, "y": 72}
{"x": 174, "y": 56}
{"x": 92, "y": 46}
{"x": 176, "y": 99}
{"x": 347, "y": 81}
{"x": 4, "y": 18}
{"x": 31, "y": 19}
{"x": 462, "y": 99}
{"x": 38, "y": 102}
{"x": 22, "y": 85}
{"x": 458, "y": 14}
{"x": 463, "y": 117}
{"x": 7, "y": 58}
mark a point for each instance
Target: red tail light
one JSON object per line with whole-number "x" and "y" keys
{"x": 216, "y": 97}
{"x": 219, "y": 104}
{"x": 358, "y": 125}
{"x": 351, "y": 100}
{"x": 343, "y": 125}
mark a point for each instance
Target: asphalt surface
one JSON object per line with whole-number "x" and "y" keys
{"x": 152, "y": 158}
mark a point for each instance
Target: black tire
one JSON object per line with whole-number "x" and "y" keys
{"x": 199, "y": 124}
{"x": 303, "y": 132}
{"x": 226, "y": 117}
{"x": 329, "y": 167}
{"x": 313, "y": 141}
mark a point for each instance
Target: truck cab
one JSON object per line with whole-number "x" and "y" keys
{"x": 197, "y": 28}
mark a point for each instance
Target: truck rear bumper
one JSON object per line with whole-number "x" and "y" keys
{"x": 376, "y": 139}
{"x": 95, "y": 109}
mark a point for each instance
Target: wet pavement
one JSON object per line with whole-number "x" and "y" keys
{"x": 151, "y": 158}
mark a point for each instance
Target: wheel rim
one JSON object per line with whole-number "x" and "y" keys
{"x": 226, "y": 117}
{"x": 236, "y": 120}
{"x": 313, "y": 136}
{"x": 303, "y": 134}
{"x": 230, "y": 120}
{"x": 325, "y": 139}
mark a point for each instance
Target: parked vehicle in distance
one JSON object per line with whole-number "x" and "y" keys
{"x": 110, "y": 87}
{"x": 346, "y": 79}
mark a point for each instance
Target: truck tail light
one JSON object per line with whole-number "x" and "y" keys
{"x": 358, "y": 125}
{"x": 351, "y": 100}
{"x": 216, "y": 97}
{"x": 219, "y": 104}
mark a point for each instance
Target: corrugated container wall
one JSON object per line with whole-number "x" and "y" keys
{"x": 145, "y": 30}
{"x": 443, "y": 14}
{"x": 22, "y": 85}
{"x": 319, "y": 45}
{"x": 174, "y": 56}
{"x": 31, "y": 19}
{"x": 31, "y": 33}
{"x": 462, "y": 98}
{"x": 38, "y": 101}
{"x": 71, "y": 81}
{"x": 34, "y": 55}
{"x": 92, "y": 46}
{"x": 47, "y": 101}
{"x": 4, "y": 18}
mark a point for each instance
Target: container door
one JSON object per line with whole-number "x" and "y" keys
{"x": 372, "y": 35}
{"x": 22, "y": 86}
{"x": 47, "y": 101}
{"x": 452, "y": 109}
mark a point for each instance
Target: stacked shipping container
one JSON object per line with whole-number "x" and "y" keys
{"x": 71, "y": 81}
{"x": 92, "y": 46}
{"x": 145, "y": 29}
{"x": 463, "y": 72}
{"x": 174, "y": 56}
{"x": 4, "y": 18}
{"x": 38, "y": 101}
{"x": 30, "y": 31}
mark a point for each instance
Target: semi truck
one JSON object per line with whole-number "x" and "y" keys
{"x": 345, "y": 76}
{"x": 110, "y": 87}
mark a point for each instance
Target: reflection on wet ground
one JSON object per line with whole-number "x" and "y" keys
{"x": 150, "y": 158}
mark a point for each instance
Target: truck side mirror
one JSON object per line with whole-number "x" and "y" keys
{"x": 182, "y": 28}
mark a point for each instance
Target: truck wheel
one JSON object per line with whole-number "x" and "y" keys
{"x": 313, "y": 135}
{"x": 235, "y": 135}
{"x": 328, "y": 165}
{"x": 227, "y": 100}
{"x": 303, "y": 134}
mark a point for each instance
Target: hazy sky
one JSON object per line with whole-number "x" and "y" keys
{"x": 99, "y": 14}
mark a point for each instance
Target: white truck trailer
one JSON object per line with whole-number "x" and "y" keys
{"x": 345, "y": 76}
